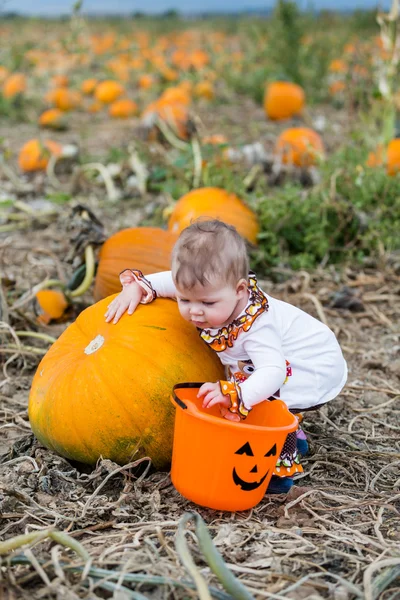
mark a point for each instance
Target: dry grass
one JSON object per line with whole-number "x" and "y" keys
{"x": 336, "y": 535}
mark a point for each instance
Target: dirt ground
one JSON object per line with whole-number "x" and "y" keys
{"x": 336, "y": 534}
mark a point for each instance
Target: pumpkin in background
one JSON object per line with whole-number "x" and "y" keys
{"x": 215, "y": 203}
{"x": 176, "y": 115}
{"x": 145, "y": 248}
{"x": 52, "y": 305}
{"x": 391, "y": 160}
{"x": 64, "y": 98}
{"x": 14, "y": 84}
{"x": 54, "y": 118}
{"x": 145, "y": 81}
{"x": 283, "y": 100}
{"x": 108, "y": 91}
{"x": 104, "y": 389}
{"x": 123, "y": 109}
{"x": 299, "y": 146}
{"x": 35, "y": 155}
{"x": 204, "y": 89}
{"x": 88, "y": 86}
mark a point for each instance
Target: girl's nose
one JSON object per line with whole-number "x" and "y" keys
{"x": 196, "y": 310}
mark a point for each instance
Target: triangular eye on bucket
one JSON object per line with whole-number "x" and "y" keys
{"x": 271, "y": 452}
{"x": 245, "y": 449}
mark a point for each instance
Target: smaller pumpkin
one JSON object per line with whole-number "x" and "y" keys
{"x": 88, "y": 86}
{"x": 14, "y": 85}
{"x": 52, "y": 305}
{"x": 64, "y": 98}
{"x": 35, "y": 155}
{"x": 215, "y": 203}
{"x": 123, "y": 109}
{"x": 175, "y": 95}
{"x": 174, "y": 114}
{"x": 283, "y": 100}
{"x": 204, "y": 89}
{"x": 54, "y": 118}
{"x": 108, "y": 91}
{"x": 145, "y": 82}
{"x": 145, "y": 248}
{"x": 299, "y": 146}
{"x": 391, "y": 160}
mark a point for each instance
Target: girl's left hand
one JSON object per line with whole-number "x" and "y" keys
{"x": 212, "y": 395}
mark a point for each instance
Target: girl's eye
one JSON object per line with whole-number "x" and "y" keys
{"x": 208, "y": 303}
{"x": 182, "y": 300}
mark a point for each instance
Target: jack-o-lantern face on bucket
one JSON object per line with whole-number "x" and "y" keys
{"x": 248, "y": 486}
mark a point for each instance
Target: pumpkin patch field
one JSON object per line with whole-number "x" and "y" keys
{"x": 115, "y": 134}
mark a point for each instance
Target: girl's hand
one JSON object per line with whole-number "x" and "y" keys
{"x": 228, "y": 415}
{"x": 127, "y": 300}
{"x": 213, "y": 395}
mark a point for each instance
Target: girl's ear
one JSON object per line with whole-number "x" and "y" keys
{"x": 241, "y": 287}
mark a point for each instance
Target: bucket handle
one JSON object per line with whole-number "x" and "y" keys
{"x": 189, "y": 384}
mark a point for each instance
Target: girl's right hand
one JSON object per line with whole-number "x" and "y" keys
{"x": 127, "y": 300}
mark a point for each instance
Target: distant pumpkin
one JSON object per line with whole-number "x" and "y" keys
{"x": 35, "y": 155}
{"x": 215, "y": 203}
{"x": 123, "y": 109}
{"x": 54, "y": 118}
{"x": 204, "y": 89}
{"x": 64, "y": 99}
{"x": 391, "y": 160}
{"x": 145, "y": 81}
{"x": 283, "y": 100}
{"x": 14, "y": 84}
{"x": 88, "y": 86}
{"x": 108, "y": 91}
{"x": 299, "y": 146}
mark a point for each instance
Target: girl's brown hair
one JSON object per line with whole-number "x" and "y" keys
{"x": 209, "y": 252}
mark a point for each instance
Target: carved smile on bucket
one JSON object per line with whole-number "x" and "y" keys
{"x": 248, "y": 486}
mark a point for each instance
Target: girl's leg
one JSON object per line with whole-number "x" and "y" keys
{"x": 288, "y": 465}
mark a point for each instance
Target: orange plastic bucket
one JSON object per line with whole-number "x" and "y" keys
{"x": 221, "y": 464}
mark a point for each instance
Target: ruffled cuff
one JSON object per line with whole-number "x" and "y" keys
{"x": 128, "y": 276}
{"x": 233, "y": 391}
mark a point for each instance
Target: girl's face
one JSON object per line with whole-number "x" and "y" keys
{"x": 212, "y": 306}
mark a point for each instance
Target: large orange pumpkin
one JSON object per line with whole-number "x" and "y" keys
{"x": 215, "y": 203}
{"x": 283, "y": 100}
{"x": 104, "y": 389}
{"x": 145, "y": 248}
{"x": 299, "y": 146}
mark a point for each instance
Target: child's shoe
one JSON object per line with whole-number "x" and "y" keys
{"x": 279, "y": 485}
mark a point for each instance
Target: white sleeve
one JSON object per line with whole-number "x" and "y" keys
{"x": 162, "y": 284}
{"x": 263, "y": 347}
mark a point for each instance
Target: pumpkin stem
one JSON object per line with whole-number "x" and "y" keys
{"x": 198, "y": 162}
{"x": 112, "y": 192}
{"x": 37, "y": 335}
{"x": 89, "y": 273}
{"x": 170, "y": 136}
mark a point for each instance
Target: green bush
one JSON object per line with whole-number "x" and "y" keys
{"x": 353, "y": 213}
